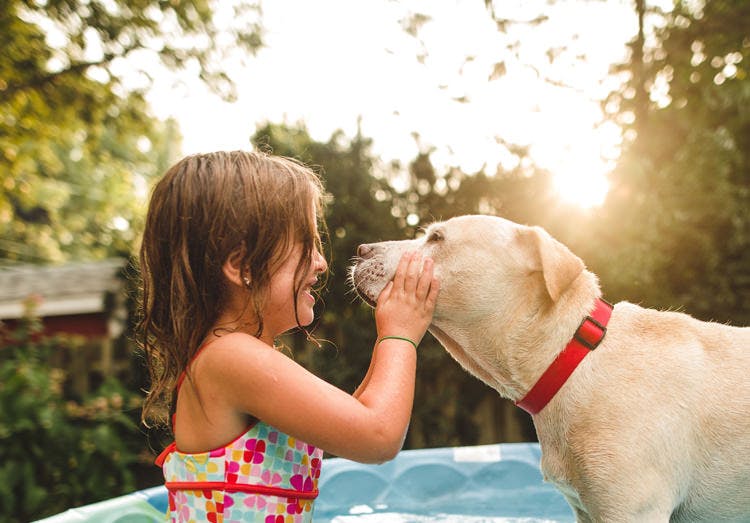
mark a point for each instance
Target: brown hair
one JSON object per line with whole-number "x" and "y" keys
{"x": 205, "y": 208}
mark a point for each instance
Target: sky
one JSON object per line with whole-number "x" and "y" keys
{"x": 337, "y": 64}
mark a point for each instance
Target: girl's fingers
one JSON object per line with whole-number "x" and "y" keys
{"x": 423, "y": 284}
{"x": 434, "y": 290}
{"x": 386, "y": 292}
{"x": 400, "y": 276}
{"x": 412, "y": 273}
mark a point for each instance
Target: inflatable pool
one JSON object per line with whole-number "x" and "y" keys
{"x": 481, "y": 484}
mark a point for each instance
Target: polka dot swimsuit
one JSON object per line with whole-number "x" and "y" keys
{"x": 264, "y": 476}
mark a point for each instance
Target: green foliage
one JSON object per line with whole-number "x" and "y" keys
{"x": 681, "y": 201}
{"x": 55, "y": 42}
{"x": 77, "y": 139}
{"x": 56, "y": 453}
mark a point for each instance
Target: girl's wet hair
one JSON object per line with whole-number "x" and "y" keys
{"x": 206, "y": 208}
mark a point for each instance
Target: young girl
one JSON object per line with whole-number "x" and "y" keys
{"x": 230, "y": 257}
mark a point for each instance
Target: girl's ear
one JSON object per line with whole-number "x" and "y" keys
{"x": 232, "y": 269}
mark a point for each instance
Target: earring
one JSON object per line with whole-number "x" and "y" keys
{"x": 246, "y": 280}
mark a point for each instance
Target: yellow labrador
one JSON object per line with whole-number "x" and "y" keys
{"x": 653, "y": 422}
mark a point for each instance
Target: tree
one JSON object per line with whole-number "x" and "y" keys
{"x": 77, "y": 140}
{"x": 680, "y": 195}
{"x": 52, "y": 44}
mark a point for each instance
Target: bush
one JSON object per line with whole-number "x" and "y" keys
{"x": 57, "y": 453}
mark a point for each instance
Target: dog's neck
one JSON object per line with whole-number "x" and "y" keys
{"x": 587, "y": 337}
{"x": 538, "y": 340}
{"x": 510, "y": 353}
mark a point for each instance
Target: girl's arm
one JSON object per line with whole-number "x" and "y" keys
{"x": 366, "y": 379}
{"x": 239, "y": 373}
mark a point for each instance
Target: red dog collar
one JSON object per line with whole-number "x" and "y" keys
{"x": 586, "y": 338}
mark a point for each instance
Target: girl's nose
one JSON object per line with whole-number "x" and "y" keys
{"x": 319, "y": 262}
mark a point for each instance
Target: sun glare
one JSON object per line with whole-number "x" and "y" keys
{"x": 581, "y": 161}
{"x": 583, "y": 187}
{"x": 445, "y": 102}
{"x": 579, "y": 174}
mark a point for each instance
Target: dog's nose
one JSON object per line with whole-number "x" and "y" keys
{"x": 364, "y": 251}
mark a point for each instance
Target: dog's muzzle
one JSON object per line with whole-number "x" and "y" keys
{"x": 367, "y": 275}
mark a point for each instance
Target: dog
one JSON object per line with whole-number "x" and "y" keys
{"x": 651, "y": 421}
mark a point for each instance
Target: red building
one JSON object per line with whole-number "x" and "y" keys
{"x": 85, "y": 298}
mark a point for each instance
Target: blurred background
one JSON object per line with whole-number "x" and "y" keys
{"x": 621, "y": 126}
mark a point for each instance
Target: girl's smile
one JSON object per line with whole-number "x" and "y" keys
{"x": 284, "y": 308}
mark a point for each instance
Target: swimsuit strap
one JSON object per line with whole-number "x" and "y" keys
{"x": 159, "y": 461}
{"x": 181, "y": 379}
{"x": 183, "y": 374}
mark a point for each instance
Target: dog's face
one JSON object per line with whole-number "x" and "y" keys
{"x": 468, "y": 251}
{"x": 493, "y": 275}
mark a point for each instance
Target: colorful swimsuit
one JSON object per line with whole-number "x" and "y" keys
{"x": 263, "y": 476}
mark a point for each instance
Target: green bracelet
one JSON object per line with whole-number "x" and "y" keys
{"x": 395, "y": 338}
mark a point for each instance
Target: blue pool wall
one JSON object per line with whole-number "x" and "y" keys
{"x": 493, "y": 483}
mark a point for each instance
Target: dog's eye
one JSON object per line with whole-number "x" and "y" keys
{"x": 435, "y": 236}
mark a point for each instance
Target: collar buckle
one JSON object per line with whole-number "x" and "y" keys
{"x": 590, "y": 333}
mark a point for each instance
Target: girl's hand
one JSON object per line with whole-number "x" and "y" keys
{"x": 406, "y": 304}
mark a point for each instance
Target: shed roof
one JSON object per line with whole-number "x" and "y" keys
{"x": 72, "y": 288}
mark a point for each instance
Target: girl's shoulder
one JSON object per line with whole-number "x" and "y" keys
{"x": 232, "y": 350}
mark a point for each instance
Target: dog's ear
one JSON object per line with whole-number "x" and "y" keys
{"x": 558, "y": 265}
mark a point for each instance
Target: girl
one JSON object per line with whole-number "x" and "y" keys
{"x": 230, "y": 256}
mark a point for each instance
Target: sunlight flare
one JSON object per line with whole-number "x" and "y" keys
{"x": 583, "y": 185}
{"x": 581, "y": 163}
